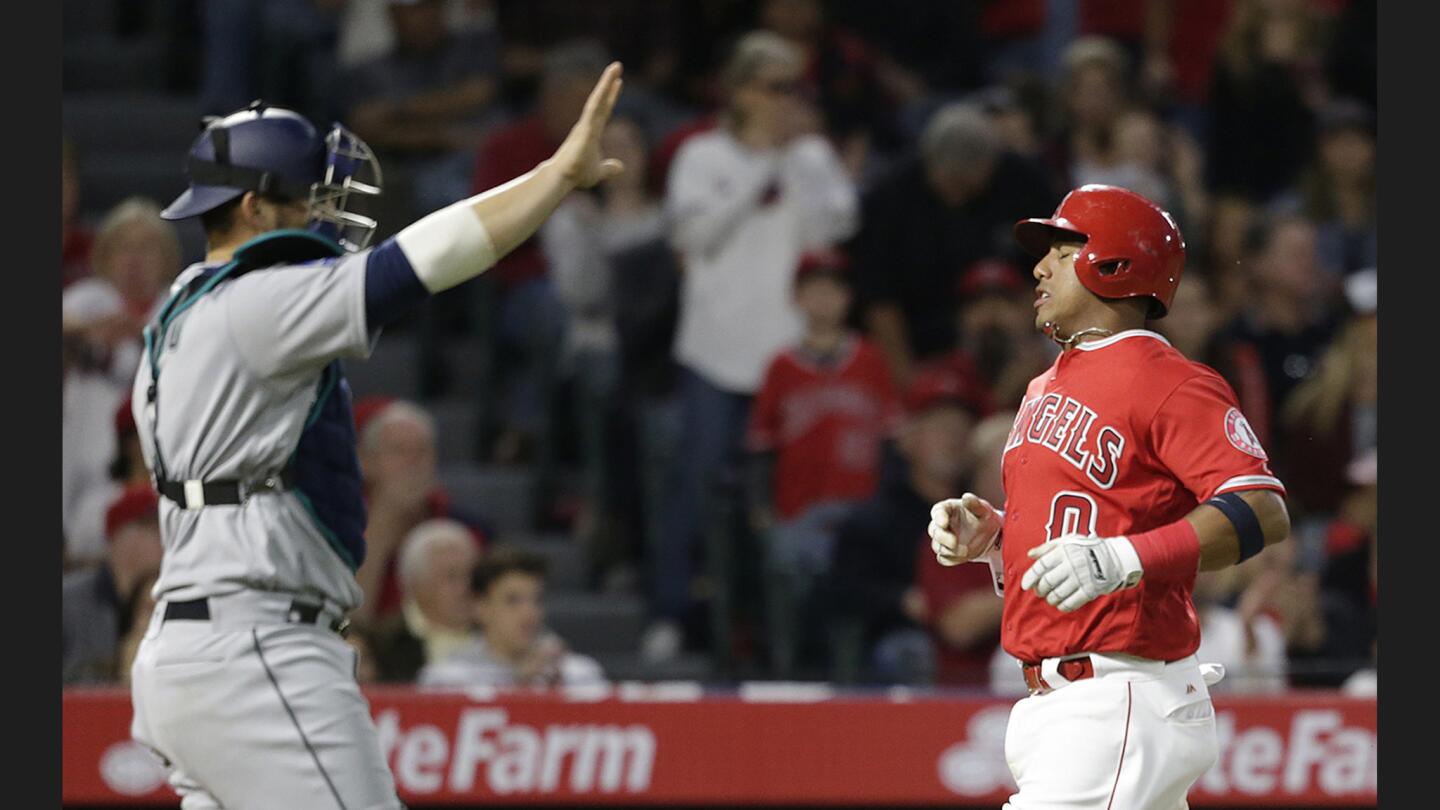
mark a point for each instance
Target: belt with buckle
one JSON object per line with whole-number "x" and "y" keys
{"x": 1071, "y": 669}
{"x": 298, "y": 613}
{"x": 195, "y": 494}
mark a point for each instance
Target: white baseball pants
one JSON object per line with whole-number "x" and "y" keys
{"x": 1135, "y": 736}
{"x": 251, "y": 712}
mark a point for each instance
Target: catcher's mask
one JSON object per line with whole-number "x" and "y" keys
{"x": 277, "y": 151}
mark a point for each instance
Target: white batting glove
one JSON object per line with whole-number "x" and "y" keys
{"x": 1072, "y": 571}
{"x": 963, "y": 529}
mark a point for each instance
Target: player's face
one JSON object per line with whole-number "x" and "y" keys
{"x": 1060, "y": 298}
{"x": 825, "y": 301}
{"x": 511, "y": 611}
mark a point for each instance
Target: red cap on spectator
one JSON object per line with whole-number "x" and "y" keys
{"x": 366, "y": 409}
{"x": 137, "y": 502}
{"x": 944, "y": 385}
{"x": 989, "y": 276}
{"x": 124, "y": 420}
{"x": 824, "y": 260}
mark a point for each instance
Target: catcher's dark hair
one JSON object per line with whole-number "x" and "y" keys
{"x": 219, "y": 220}
{"x": 506, "y": 560}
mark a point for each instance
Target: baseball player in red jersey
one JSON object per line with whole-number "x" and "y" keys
{"x": 1128, "y": 470}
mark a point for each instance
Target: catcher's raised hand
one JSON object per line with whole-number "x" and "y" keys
{"x": 963, "y": 529}
{"x": 579, "y": 155}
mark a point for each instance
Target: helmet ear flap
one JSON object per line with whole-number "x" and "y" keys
{"x": 1113, "y": 267}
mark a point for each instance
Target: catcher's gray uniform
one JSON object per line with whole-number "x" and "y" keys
{"x": 242, "y": 682}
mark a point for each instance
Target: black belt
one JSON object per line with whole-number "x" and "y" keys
{"x": 299, "y": 613}
{"x": 195, "y": 494}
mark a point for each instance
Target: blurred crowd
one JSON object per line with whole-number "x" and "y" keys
{"x": 743, "y": 370}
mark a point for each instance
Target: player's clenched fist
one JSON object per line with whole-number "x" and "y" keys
{"x": 963, "y": 529}
{"x": 1074, "y": 570}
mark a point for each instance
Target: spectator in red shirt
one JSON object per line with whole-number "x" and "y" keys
{"x": 402, "y": 490}
{"x": 816, "y": 429}
{"x": 531, "y": 317}
{"x": 961, "y": 608}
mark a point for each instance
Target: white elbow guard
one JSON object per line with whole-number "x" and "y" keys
{"x": 447, "y": 247}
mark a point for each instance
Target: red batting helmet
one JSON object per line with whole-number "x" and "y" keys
{"x": 1132, "y": 247}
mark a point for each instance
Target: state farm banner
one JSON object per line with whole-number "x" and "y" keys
{"x": 647, "y": 745}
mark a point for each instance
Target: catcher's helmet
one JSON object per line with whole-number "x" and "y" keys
{"x": 1132, "y": 246}
{"x": 277, "y": 151}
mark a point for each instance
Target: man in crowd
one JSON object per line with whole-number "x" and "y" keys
{"x": 402, "y": 488}
{"x": 423, "y": 104}
{"x": 936, "y": 214}
{"x": 435, "y": 566}
{"x": 996, "y": 342}
{"x": 1288, "y": 317}
{"x": 515, "y": 649}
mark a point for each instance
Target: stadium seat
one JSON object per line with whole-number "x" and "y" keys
{"x": 505, "y": 495}
{"x": 109, "y": 182}
{"x": 455, "y": 420}
{"x": 596, "y": 623}
{"x": 106, "y": 123}
{"x": 96, "y": 64}
{"x": 391, "y": 370}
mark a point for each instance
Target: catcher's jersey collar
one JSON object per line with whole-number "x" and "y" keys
{"x": 1119, "y": 336}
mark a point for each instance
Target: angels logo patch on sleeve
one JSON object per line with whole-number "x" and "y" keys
{"x": 1240, "y": 434}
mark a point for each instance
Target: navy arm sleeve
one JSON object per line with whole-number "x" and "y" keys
{"x": 391, "y": 286}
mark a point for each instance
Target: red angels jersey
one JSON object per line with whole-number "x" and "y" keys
{"x": 1119, "y": 436}
{"x": 825, "y": 425}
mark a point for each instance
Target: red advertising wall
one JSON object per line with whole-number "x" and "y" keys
{"x": 643, "y": 745}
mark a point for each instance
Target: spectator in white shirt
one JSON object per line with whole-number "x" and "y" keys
{"x": 515, "y": 649}
{"x": 744, "y": 201}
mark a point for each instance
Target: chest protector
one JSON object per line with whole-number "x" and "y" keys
{"x": 323, "y": 471}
